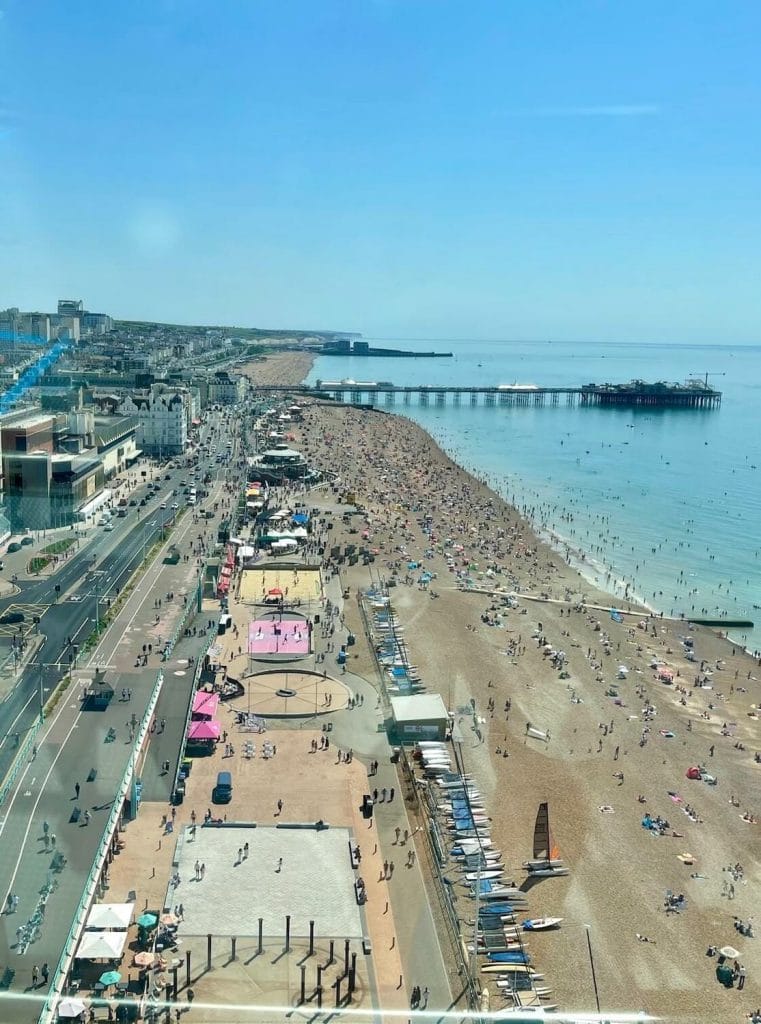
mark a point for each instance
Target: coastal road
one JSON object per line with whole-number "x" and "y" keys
{"x": 94, "y": 574}
{"x": 74, "y": 747}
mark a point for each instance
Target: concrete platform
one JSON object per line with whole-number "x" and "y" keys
{"x": 298, "y": 871}
{"x": 291, "y": 693}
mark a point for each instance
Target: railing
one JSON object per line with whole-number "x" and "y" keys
{"x": 21, "y": 757}
{"x": 48, "y": 1014}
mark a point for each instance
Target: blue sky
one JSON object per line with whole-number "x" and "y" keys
{"x": 406, "y": 169}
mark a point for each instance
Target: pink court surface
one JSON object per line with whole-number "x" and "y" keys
{"x": 272, "y": 636}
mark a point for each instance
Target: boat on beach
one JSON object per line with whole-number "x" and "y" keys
{"x": 541, "y": 924}
{"x": 546, "y": 861}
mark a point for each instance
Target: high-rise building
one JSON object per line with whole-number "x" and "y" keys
{"x": 71, "y": 307}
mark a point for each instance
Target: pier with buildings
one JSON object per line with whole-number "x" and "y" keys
{"x": 694, "y": 394}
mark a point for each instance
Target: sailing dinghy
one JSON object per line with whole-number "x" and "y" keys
{"x": 546, "y": 861}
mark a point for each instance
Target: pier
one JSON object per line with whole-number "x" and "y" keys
{"x": 694, "y": 394}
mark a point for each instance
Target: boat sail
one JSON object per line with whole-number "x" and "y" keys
{"x": 546, "y": 859}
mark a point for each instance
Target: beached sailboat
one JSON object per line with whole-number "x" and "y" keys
{"x": 509, "y": 958}
{"x": 541, "y": 924}
{"x": 546, "y": 861}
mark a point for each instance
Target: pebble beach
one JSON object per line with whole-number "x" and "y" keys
{"x": 620, "y": 743}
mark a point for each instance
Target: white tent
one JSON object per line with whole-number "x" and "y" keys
{"x": 110, "y": 915}
{"x": 101, "y": 945}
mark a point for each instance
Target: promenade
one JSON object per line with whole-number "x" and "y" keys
{"x": 73, "y": 750}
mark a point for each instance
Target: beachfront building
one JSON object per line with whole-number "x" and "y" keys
{"x": 225, "y": 388}
{"x": 278, "y": 463}
{"x": 162, "y": 420}
{"x": 421, "y": 716}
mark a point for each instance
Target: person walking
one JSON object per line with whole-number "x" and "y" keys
{"x": 45, "y": 972}
{"x": 741, "y": 978}
{"x": 35, "y": 976}
{"x": 424, "y": 997}
{"x": 391, "y": 794}
{"x": 76, "y": 790}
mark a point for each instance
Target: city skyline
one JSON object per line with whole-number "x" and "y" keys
{"x": 401, "y": 170}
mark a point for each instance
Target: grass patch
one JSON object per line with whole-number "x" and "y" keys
{"x": 38, "y": 563}
{"x": 58, "y": 547}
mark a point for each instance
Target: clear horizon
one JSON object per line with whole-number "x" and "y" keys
{"x": 406, "y": 170}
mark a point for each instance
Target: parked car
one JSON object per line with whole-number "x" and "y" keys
{"x": 14, "y": 546}
{"x": 27, "y": 540}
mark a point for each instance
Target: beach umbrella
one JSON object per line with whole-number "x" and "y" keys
{"x": 729, "y": 952}
{"x": 147, "y": 920}
{"x": 170, "y": 919}
{"x": 144, "y": 959}
{"x": 110, "y": 978}
{"x": 71, "y": 1008}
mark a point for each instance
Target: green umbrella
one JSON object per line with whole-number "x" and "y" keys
{"x": 110, "y": 978}
{"x": 147, "y": 920}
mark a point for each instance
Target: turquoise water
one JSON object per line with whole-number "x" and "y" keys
{"x": 666, "y": 503}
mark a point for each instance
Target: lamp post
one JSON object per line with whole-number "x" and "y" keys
{"x": 592, "y": 965}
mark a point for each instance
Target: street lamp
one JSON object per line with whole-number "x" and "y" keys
{"x": 592, "y": 965}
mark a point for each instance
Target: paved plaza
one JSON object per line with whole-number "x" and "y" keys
{"x": 298, "y": 871}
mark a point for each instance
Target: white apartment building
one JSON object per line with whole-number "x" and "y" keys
{"x": 162, "y": 420}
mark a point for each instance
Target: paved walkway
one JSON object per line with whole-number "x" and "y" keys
{"x": 74, "y": 749}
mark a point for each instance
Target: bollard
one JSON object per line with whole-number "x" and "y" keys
{"x": 174, "y": 983}
{"x": 337, "y": 986}
{"x": 208, "y": 952}
{"x": 187, "y": 968}
{"x": 287, "y": 933}
{"x": 311, "y": 938}
{"x": 233, "y": 940}
{"x": 168, "y": 1001}
{"x": 346, "y": 956}
{"x": 319, "y": 997}
{"x": 353, "y": 974}
{"x": 331, "y": 958}
{"x": 303, "y": 983}
{"x": 261, "y": 926}
{"x": 318, "y": 986}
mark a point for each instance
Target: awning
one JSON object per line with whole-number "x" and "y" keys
{"x": 205, "y": 703}
{"x": 206, "y": 729}
{"x": 110, "y": 915}
{"x": 101, "y": 945}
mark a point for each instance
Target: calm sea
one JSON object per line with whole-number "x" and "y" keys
{"x": 666, "y": 502}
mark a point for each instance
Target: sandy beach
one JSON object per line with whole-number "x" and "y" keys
{"x": 619, "y": 748}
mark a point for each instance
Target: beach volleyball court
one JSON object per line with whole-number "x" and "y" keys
{"x": 293, "y": 583}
